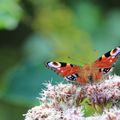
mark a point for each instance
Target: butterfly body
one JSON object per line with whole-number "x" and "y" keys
{"x": 89, "y": 73}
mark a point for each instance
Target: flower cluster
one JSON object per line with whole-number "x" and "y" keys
{"x": 63, "y": 101}
{"x": 105, "y": 92}
{"x": 57, "y": 103}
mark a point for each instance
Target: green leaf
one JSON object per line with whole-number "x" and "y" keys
{"x": 88, "y": 109}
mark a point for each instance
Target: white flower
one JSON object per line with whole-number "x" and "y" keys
{"x": 73, "y": 114}
{"x": 62, "y": 101}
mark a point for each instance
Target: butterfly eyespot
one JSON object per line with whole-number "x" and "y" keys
{"x": 113, "y": 51}
{"x": 72, "y": 77}
{"x": 54, "y": 64}
{"x": 106, "y": 70}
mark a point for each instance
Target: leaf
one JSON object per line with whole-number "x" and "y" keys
{"x": 88, "y": 109}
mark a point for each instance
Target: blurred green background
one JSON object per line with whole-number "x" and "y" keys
{"x": 33, "y": 32}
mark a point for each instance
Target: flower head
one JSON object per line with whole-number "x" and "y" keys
{"x": 63, "y": 102}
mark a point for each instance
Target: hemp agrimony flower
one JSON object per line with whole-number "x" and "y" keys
{"x": 72, "y": 102}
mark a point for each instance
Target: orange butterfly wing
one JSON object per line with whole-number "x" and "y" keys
{"x": 108, "y": 59}
{"x": 106, "y": 62}
{"x": 68, "y": 71}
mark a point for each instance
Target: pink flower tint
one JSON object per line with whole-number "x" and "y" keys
{"x": 105, "y": 91}
{"x": 62, "y": 101}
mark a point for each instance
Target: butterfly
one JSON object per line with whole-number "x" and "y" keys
{"x": 88, "y": 73}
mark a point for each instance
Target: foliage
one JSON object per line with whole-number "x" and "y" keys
{"x": 59, "y": 24}
{"x": 10, "y": 14}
